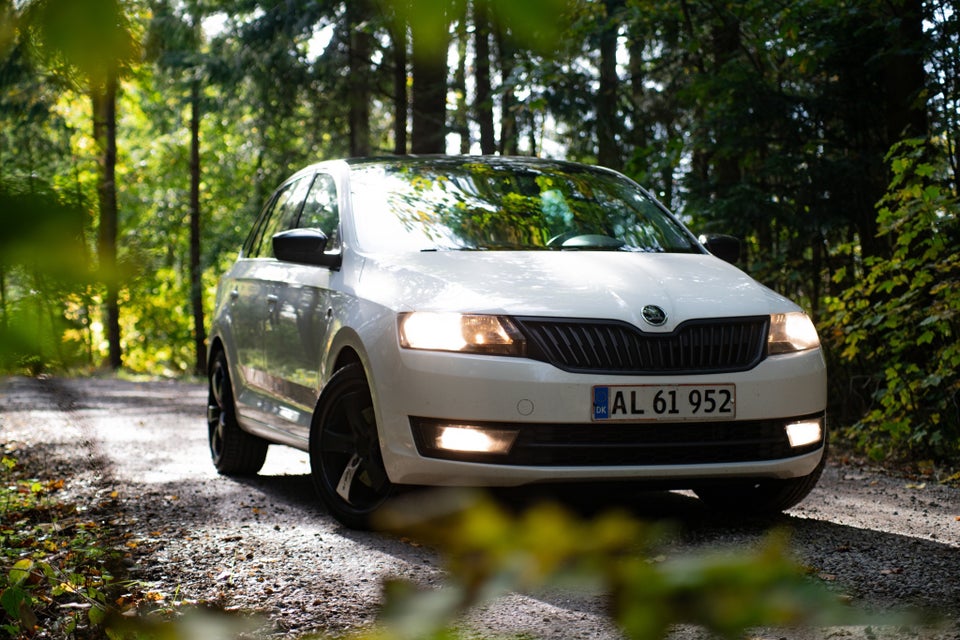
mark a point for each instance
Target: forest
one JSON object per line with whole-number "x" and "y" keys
{"x": 139, "y": 139}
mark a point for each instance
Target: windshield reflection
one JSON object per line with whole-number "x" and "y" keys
{"x": 499, "y": 204}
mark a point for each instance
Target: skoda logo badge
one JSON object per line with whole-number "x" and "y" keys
{"x": 654, "y": 315}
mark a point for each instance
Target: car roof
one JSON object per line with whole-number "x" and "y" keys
{"x": 493, "y": 161}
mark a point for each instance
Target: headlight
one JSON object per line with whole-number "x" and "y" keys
{"x": 460, "y": 332}
{"x": 791, "y": 332}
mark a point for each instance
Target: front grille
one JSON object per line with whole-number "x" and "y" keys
{"x": 582, "y": 445}
{"x": 698, "y": 346}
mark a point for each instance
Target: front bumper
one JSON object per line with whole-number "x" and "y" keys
{"x": 555, "y": 440}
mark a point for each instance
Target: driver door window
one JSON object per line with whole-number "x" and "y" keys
{"x": 283, "y": 216}
{"x": 321, "y": 211}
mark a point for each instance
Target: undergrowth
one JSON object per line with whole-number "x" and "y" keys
{"x": 61, "y": 564}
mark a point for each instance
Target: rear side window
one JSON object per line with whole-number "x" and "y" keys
{"x": 280, "y": 215}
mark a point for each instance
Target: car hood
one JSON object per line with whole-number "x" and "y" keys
{"x": 610, "y": 285}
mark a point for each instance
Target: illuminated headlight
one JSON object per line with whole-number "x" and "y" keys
{"x": 461, "y": 332}
{"x": 791, "y": 332}
{"x": 805, "y": 432}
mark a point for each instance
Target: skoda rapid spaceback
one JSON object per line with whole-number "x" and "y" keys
{"x": 489, "y": 321}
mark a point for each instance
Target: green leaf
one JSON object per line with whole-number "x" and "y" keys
{"x": 97, "y": 615}
{"x": 11, "y": 599}
{"x": 925, "y": 170}
{"x": 20, "y": 571}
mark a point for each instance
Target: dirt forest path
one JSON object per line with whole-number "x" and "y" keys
{"x": 266, "y": 544}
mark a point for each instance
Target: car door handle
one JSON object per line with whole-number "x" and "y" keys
{"x": 234, "y": 294}
{"x": 271, "y": 301}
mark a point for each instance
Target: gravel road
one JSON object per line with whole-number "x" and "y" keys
{"x": 266, "y": 544}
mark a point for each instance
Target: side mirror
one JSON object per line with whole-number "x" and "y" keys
{"x": 727, "y": 248}
{"x": 305, "y": 246}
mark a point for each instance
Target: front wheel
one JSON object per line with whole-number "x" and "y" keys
{"x": 234, "y": 451}
{"x": 345, "y": 457}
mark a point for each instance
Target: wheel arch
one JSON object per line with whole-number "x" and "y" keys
{"x": 345, "y": 347}
{"x": 350, "y": 353}
{"x": 348, "y": 347}
{"x": 346, "y": 356}
{"x": 216, "y": 346}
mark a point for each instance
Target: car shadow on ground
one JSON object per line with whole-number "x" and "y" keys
{"x": 585, "y": 500}
{"x": 836, "y": 554}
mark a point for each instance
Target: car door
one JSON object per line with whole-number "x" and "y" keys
{"x": 295, "y": 345}
{"x": 255, "y": 296}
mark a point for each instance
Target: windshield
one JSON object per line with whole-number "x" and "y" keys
{"x": 438, "y": 205}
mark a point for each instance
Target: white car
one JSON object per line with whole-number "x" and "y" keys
{"x": 489, "y": 321}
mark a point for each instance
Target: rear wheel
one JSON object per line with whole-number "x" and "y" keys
{"x": 234, "y": 451}
{"x": 345, "y": 457}
{"x": 760, "y": 497}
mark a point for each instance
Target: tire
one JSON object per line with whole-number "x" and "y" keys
{"x": 234, "y": 451}
{"x": 345, "y": 458}
{"x": 761, "y": 497}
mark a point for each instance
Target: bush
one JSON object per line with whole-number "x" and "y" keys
{"x": 896, "y": 329}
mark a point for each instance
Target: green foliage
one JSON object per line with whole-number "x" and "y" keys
{"x": 43, "y": 272}
{"x": 88, "y": 36}
{"x": 490, "y": 553}
{"x": 55, "y": 560}
{"x": 897, "y": 326}
{"x": 45, "y": 264}
{"x": 525, "y": 20}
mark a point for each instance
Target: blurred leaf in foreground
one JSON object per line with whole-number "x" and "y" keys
{"x": 491, "y": 552}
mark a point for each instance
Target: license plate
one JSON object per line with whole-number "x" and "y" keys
{"x": 665, "y": 402}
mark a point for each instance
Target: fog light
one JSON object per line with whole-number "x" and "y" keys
{"x": 473, "y": 440}
{"x": 803, "y": 433}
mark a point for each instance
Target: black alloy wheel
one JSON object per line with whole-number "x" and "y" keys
{"x": 234, "y": 451}
{"x": 345, "y": 456}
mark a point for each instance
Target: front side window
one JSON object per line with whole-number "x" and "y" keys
{"x": 280, "y": 215}
{"x": 322, "y": 211}
{"x": 468, "y": 205}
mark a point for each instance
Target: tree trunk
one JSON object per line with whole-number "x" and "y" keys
{"x": 725, "y": 43}
{"x": 509, "y": 136}
{"x": 104, "y": 104}
{"x": 642, "y": 122}
{"x": 196, "y": 273}
{"x": 398, "y": 34}
{"x": 429, "y": 91}
{"x": 361, "y": 46}
{"x": 483, "y": 104}
{"x": 461, "y": 120}
{"x": 608, "y": 154}
{"x": 3, "y": 302}
{"x": 905, "y": 77}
